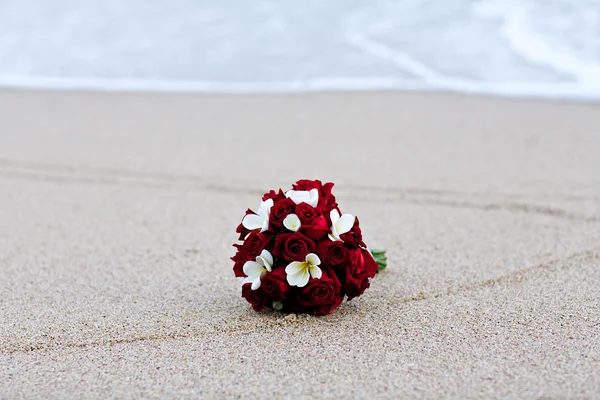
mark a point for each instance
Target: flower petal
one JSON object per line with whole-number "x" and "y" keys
{"x": 313, "y": 197}
{"x": 316, "y": 272}
{"x": 292, "y": 222}
{"x": 252, "y": 268}
{"x": 303, "y": 278}
{"x": 334, "y": 215}
{"x": 265, "y": 259}
{"x": 253, "y": 221}
{"x": 344, "y": 224}
{"x": 333, "y": 238}
{"x": 313, "y": 259}
{"x": 292, "y": 279}
{"x": 294, "y": 267}
{"x": 265, "y": 208}
{"x": 247, "y": 279}
{"x": 255, "y": 284}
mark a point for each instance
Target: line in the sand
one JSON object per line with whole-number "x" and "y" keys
{"x": 58, "y": 173}
{"x": 518, "y": 276}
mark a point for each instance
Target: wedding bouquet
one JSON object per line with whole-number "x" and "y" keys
{"x": 301, "y": 254}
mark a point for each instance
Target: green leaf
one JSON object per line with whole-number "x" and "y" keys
{"x": 380, "y": 258}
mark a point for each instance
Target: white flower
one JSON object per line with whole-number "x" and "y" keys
{"x": 298, "y": 273}
{"x": 257, "y": 269}
{"x": 261, "y": 219}
{"x": 310, "y": 197}
{"x": 340, "y": 225}
{"x": 292, "y": 222}
{"x": 277, "y": 305}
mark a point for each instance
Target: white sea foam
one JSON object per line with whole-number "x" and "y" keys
{"x": 499, "y": 47}
{"x": 517, "y": 27}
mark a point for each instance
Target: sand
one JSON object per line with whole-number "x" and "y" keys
{"x": 117, "y": 214}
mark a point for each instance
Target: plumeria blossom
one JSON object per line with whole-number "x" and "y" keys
{"x": 292, "y": 222}
{"x": 310, "y": 197}
{"x": 298, "y": 272}
{"x": 340, "y": 225}
{"x": 259, "y": 220}
{"x": 257, "y": 269}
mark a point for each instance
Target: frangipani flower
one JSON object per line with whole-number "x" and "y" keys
{"x": 257, "y": 269}
{"x": 298, "y": 272}
{"x": 304, "y": 196}
{"x": 261, "y": 219}
{"x": 340, "y": 225}
{"x": 292, "y": 222}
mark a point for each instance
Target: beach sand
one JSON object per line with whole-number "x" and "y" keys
{"x": 118, "y": 211}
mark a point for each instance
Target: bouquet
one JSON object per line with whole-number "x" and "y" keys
{"x": 300, "y": 253}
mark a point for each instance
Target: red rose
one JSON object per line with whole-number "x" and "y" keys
{"x": 273, "y": 195}
{"x": 323, "y": 294}
{"x": 257, "y": 298}
{"x": 361, "y": 267}
{"x": 333, "y": 254}
{"x": 255, "y": 243}
{"x": 239, "y": 260}
{"x": 313, "y": 225}
{"x": 353, "y": 238}
{"x": 293, "y": 246}
{"x": 275, "y": 284}
{"x": 281, "y": 209}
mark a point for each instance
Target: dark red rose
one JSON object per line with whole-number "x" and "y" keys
{"x": 313, "y": 225}
{"x": 281, "y": 209}
{"x": 239, "y": 260}
{"x": 273, "y": 195}
{"x": 321, "y": 295}
{"x": 353, "y": 238}
{"x": 255, "y": 243}
{"x": 333, "y": 254}
{"x": 307, "y": 184}
{"x": 358, "y": 271}
{"x": 306, "y": 213}
{"x": 257, "y": 298}
{"x": 317, "y": 230}
{"x": 293, "y": 246}
{"x": 275, "y": 284}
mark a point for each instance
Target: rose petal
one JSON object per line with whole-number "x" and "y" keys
{"x": 252, "y": 221}
{"x": 313, "y": 259}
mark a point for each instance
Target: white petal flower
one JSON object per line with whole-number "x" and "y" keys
{"x": 261, "y": 219}
{"x": 277, "y": 305}
{"x": 292, "y": 222}
{"x": 310, "y": 197}
{"x": 340, "y": 225}
{"x": 255, "y": 270}
{"x": 298, "y": 273}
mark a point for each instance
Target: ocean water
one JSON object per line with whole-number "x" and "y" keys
{"x": 530, "y": 48}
